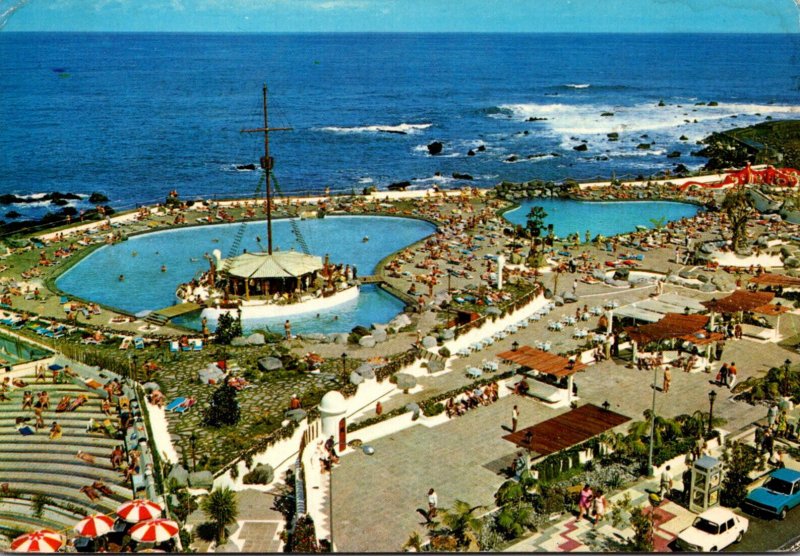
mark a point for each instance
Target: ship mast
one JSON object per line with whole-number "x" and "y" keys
{"x": 267, "y": 163}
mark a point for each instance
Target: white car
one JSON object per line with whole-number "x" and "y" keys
{"x": 712, "y": 531}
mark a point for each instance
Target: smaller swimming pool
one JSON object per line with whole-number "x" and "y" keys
{"x": 607, "y": 218}
{"x": 14, "y": 351}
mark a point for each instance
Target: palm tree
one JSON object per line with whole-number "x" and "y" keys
{"x": 414, "y": 543}
{"x": 462, "y": 522}
{"x": 222, "y": 509}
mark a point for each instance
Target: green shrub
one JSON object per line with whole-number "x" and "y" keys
{"x": 444, "y": 352}
{"x": 263, "y": 474}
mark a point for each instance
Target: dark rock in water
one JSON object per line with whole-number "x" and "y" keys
{"x": 674, "y": 154}
{"x": 512, "y": 158}
{"x": 581, "y": 147}
{"x": 645, "y": 136}
{"x": 96, "y": 198}
{"x": 680, "y": 169}
{"x": 613, "y": 136}
{"x": 699, "y": 103}
{"x": 601, "y": 158}
{"x": 60, "y": 202}
{"x": 435, "y": 147}
{"x": 713, "y": 103}
{"x": 554, "y": 154}
{"x": 245, "y": 166}
{"x": 643, "y": 146}
{"x": 661, "y": 103}
{"x": 395, "y": 131}
{"x": 470, "y": 153}
{"x": 537, "y": 155}
{"x": 481, "y": 148}
{"x": 534, "y": 119}
{"x": 607, "y": 114}
{"x": 13, "y": 214}
{"x": 458, "y": 176}
{"x": 683, "y": 138}
{"x": 526, "y": 132}
{"x": 398, "y": 186}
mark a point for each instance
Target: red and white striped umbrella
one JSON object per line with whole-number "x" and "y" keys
{"x": 94, "y": 525}
{"x": 154, "y": 530}
{"x": 43, "y": 540}
{"x": 138, "y": 510}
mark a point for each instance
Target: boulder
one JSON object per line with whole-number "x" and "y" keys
{"x": 239, "y": 341}
{"x": 435, "y": 366}
{"x": 296, "y": 415}
{"x": 791, "y": 262}
{"x": 481, "y": 148}
{"x": 400, "y": 321}
{"x": 429, "y": 342}
{"x": 708, "y": 288}
{"x": 643, "y": 146}
{"x": 180, "y": 475}
{"x": 613, "y": 136}
{"x": 270, "y": 364}
{"x": 367, "y": 341}
{"x": 570, "y": 297}
{"x": 470, "y": 153}
{"x": 512, "y": 158}
{"x": 435, "y": 147}
{"x": 683, "y": 138}
{"x": 380, "y": 336}
{"x": 448, "y": 334}
{"x": 398, "y": 186}
{"x": 97, "y": 198}
{"x": 256, "y": 339}
{"x": 356, "y": 379}
{"x": 558, "y": 300}
{"x": 703, "y": 278}
{"x": 405, "y": 381}
{"x": 201, "y": 479}
{"x": 366, "y": 371}
{"x": 367, "y": 449}
{"x": 674, "y": 154}
{"x": 723, "y": 283}
{"x": 459, "y": 176}
{"x": 339, "y": 338}
{"x": 686, "y": 274}
{"x": 582, "y": 147}
{"x": 607, "y": 114}
{"x": 315, "y": 337}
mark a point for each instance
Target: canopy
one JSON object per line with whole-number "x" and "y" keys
{"x": 634, "y": 311}
{"x": 94, "y": 525}
{"x": 781, "y": 280}
{"x": 154, "y": 530}
{"x": 43, "y": 540}
{"x": 681, "y": 302}
{"x": 282, "y": 264}
{"x": 673, "y": 325}
{"x": 739, "y": 300}
{"x": 139, "y": 509}
{"x": 772, "y": 310}
{"x": 542, "y": 361}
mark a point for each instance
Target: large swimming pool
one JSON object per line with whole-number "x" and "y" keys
{"x": 181, "y": 251}
{"x": 607, "y": 218}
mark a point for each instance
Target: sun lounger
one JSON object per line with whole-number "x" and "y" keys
{"x": 63, "y": 405}
{"x": 126, "y": 343}
{"x": 185, "y": 406}
{"x": 174, "y": 346}
{"x": 171, "y": 406}
{"x": 196, "y": 344}
{"x": 138, "y": 343}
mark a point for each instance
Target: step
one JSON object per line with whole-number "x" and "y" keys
{"x": 78, "y": 442}
{"x": 99, "y": 452}
{"x": 51, "y": 512}
{"x": 64, "y": 480}
{"x": 65, "y": 490}
{"x": 68, "y": 495}
{"x": 56, "y": 466}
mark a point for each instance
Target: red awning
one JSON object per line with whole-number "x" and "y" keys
{"x": 542, "y": 361}
{"x": 782, "y": 280}
{"x": 740, "y": 300}
{"x": 673, "y": 325}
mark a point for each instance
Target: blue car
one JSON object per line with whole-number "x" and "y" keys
{"x": 779, "y": 494}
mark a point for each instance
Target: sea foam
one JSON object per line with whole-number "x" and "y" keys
{"x": 399, "y": 129}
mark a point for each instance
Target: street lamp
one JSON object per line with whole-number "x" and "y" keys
{"x": 344, "y": 362}
{"x": 711, "y": 397}
{"x": 652, "y": 424}
{"x": 786, "y": 365}
{"x": 192, "y": 443}
{"x": 606, "y": 405}
{"x": 515, "y": 346}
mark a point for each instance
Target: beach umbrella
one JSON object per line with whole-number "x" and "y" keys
{"x": 43, "y": 540}
{"x": 55, "y": 367}
{"x": 138, "y": 510}
{"x": 154, "y": 530}
{"x": 94, "y": 525}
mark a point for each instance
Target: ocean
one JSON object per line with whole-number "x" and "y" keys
{"x": 134, "y": 116}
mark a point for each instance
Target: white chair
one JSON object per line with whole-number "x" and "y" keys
{"x": 546, "y": 346}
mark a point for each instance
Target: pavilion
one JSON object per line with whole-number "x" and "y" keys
{"x": 674, "y": 326}
{"x": 267, "y": 274}
{"x": 741, "y": 301}
{"x": 545, "y": 363}
{"x": 770, "y": 280}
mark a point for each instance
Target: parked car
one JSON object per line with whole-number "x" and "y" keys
{"x": 713, "y": 530}
{"x": 779, "y": 494}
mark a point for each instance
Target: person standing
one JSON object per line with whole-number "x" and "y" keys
{"x": 514, "y": 418}
{"x": 731, "y": 376}
{"x": 667, "y": 379}
{"x": 433, "y": 504}
{"x": 287, "y": 327}
{"x": 584, "y": 501}
{"x": 666, "y": 483}
{"x": 772, "y": 413}
{"x": 599, "y": 507}
{"x": 575, "y": 287}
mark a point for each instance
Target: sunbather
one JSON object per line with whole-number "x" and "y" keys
{"x": 55, "y": 431}
{"x": 90, "y": 492}
{"x": 102, "y": 487}
{"x": 88, "y": 458}
{"x": 77, "y": 402}
{"x": 63, "y": 405}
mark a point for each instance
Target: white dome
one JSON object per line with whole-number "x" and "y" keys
{"x": 332, "y": 403}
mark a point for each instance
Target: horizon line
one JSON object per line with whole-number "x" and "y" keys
{"x": 366, "y": 32}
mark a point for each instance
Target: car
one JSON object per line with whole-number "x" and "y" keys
{"x": 779, "y": 494}
{"x": 713, "y": 530}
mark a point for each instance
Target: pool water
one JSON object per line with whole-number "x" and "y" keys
{"x": 607, "y": 218}
{"x": 181, "y": 251}
{"x": 14, "y": 351}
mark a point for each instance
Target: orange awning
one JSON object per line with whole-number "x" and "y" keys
{"x": 673, "y": 325}
{"x": 740, "y": 300}
{"x": 782, "y": 280}
{"x": 542, "y": 361}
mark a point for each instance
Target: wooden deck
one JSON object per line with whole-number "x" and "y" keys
{"x": 178, "y": 310}
{"x": 567, "y": 430}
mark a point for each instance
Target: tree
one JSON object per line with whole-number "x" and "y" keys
{"x": 737, "y": 206}
{"x": 223, "y": 409}
{"x": 462, "y": 523}
{"x": 228, "y": 328}
{"x": 739, "y": 461}
{"x": 221, "y": 508}
{"x": 304, "y": 538}
{"x": 535, "y": 226}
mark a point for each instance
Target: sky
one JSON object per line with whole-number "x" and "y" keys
{"x": 648, "y": 16}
